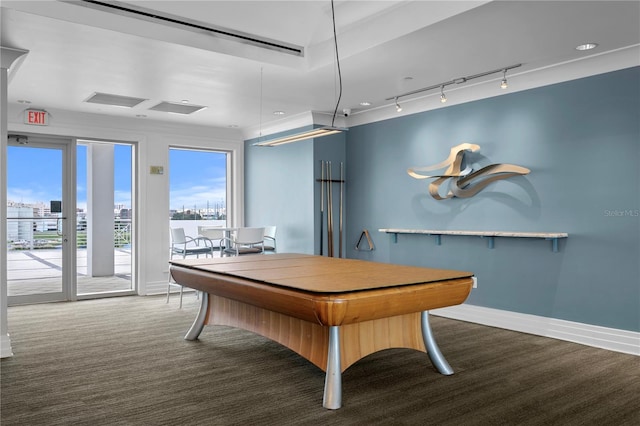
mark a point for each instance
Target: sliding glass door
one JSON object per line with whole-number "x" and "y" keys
{"x": 70, "y": 219}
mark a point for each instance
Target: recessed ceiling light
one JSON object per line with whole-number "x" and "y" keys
{"x": 365, "y": 103}
{"x": 233, "y": 126}
{"x": 278, "y": 112}
{"x": 23, "y": 101}
{"x": 408, "y": 78}
{"x": 587, "y": 46}
{"x": 185, "y": 101}
{"x": 141, "y": 116}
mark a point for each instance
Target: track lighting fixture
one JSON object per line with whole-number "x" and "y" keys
{"x": 504, "y": 84}
{"x": 398, "y": 107}
{"x": 459, "y": 80}
{"x": 443, "y": 98}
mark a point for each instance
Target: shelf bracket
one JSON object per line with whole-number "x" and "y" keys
{"x": 491, "y": 243}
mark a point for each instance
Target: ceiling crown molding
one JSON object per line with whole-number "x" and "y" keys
{"x": 9, "y": 55}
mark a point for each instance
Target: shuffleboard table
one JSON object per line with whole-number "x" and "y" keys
{"x": 331, "y": 311}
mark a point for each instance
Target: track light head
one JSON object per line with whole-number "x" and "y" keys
{"x": 443, "y": 98}
{"x": 398, "y": 107}
{"x": 503, "y": 83}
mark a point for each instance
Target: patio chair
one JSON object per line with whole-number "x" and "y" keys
{"x": 245, "y": 241}
{"x": 215, "y": 234}
{"x": 270, "y": 238}
{"x": 184, "y": 245}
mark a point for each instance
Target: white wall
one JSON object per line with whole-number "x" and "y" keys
{"x": 152, "y": 140}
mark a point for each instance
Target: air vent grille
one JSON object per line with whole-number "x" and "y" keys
{"x": 129, "y": 10}
{"x": 177, "y": 108}
{"x": 115, "y": 100}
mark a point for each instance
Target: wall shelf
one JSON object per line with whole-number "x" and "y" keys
{"x": 490, "y": 235}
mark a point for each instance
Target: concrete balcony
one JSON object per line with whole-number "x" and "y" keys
{"x": 40, "y": 271}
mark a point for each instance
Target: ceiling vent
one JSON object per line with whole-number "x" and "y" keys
{"x": 115, "y": 100}
{"x": 124, "y": 9}
{"x": 177, "y": 108}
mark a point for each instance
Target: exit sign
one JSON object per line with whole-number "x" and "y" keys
{"x": 36, "y": 117}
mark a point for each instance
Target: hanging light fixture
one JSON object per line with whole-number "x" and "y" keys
{"x": 443, "y": 97}
{"x": 309, "y": 134}
{"x": 398, "y": 107}
{"x": 319, "y": 131}
{"x": 503, "y": 83}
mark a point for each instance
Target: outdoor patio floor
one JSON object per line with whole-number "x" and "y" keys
{"x": 39, "y": 271}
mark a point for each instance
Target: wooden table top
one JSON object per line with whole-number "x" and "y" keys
{"x": 320, "y": 274}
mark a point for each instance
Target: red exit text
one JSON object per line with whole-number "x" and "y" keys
{"x": 36, "y": 117}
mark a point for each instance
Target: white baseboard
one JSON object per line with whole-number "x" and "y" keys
{"x": 591, "y": 335}
{"x": 156, "y": 287}
{"x": 5, "y": 346}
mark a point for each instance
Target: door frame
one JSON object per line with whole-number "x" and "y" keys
{"x": 134, "y": 219}
{"x": 69, "y": 264}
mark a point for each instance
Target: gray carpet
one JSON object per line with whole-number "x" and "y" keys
{"x": 123, "y": 361}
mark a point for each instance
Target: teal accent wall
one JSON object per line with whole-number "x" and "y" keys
{"x": 281, "y": 188}
{"x": 581, "y": 140}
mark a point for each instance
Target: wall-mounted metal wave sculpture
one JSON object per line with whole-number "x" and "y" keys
{"x": 464, "y": 183}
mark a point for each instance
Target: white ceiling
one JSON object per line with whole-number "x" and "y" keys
{"x": 75, "y": 51}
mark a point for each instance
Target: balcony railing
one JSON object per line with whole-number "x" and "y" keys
{"x": 45, "y": 233}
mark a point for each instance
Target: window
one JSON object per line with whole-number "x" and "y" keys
{"x": 197, "y": 188}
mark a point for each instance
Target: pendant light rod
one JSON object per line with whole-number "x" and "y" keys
{"x": 458, "y": 80}
{"x": 335, "y": 42}
{"x": 316, "y": 132}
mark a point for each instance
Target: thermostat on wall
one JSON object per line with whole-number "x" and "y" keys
{"x": 156, "y": 170}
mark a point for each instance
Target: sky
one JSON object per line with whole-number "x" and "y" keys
{"x": 196, "y": 177}
{"x": 27, "y": 183}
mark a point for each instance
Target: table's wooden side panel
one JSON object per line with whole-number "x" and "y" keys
{"x": 329, "y": 309}
{"x": 310, "y": 340}
{"x": 293, "y": 303}
{"x": 364, "y": 338}
{"x": 359, "y": 306}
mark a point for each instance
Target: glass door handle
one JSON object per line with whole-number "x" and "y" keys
{"x": 59, "y": 227}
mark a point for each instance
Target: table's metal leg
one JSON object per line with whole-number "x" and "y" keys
{"x": 433, "y": 350}
{"x": 333, "y": 379}
{"x": 198, "y": 323}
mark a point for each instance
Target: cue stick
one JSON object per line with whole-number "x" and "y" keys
{"x": 321, "y": 206}
{"x": 329, "y": 212}
{"x": 341, "y": 203}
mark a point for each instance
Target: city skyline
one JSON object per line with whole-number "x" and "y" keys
{"x": 197, "y": 178}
